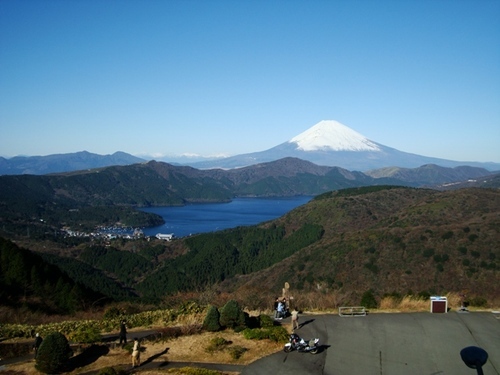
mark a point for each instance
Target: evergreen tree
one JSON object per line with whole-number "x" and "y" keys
{"x": 53, "y": 353}
{"x": 231, "y": 315}
{"x": 211, "y": 322}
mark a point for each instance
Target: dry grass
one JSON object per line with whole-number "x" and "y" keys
{"x": 182, "y": 349}
{"x": 415, "y": 304}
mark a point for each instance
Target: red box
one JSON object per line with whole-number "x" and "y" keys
{"x": 439, "y": 305}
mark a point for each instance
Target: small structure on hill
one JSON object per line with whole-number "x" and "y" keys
{"x": 166, "y": 237}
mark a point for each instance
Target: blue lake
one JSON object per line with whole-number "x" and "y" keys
{"x": 202, "y": 218}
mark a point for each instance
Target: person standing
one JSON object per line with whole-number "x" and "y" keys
{"x": 295, "y": 319}
{"x": 123, "y": 332}
{"x": 281, "y": 310}
{"x": 276, "y": 303}
{"x": 136, "y": 354}
{"x": 38, "y": 342}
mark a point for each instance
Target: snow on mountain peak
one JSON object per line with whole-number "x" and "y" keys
{"x": 332, "y": 135}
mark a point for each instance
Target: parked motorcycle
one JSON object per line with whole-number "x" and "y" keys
{"x": 301, "y": 345}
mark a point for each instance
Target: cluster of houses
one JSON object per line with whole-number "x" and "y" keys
{"x": 114, "y": 233}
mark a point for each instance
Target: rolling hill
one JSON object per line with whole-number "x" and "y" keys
{"x": 383, "y": 240}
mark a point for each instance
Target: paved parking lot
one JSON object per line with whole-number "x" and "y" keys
{"x": 390, "y": 344}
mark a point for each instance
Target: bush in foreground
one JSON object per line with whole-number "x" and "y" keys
{"x": 53, "y": 353}
{"x": 211, "y": 321}
{"x": 232, "y": 316}
{"x": 276, "y": 334}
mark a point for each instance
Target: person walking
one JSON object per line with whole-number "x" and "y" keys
{"x": 295, "y": 319}
{"x": 38, "y": 342}
{"x": 136, "y": 354}
{"x": 123, "y": 332}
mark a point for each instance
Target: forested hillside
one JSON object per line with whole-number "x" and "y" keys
{"x": 27, "y": 280}
{"x": 392, "y": 241}
{"x": 214, "y": 257}
{"x": 380, "y": 240}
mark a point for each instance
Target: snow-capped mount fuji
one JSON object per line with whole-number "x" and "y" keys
{"x": 332, "y": 136}
{"x": 330, "y": 143}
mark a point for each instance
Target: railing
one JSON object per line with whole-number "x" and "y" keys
{"x": 352, "y": 311}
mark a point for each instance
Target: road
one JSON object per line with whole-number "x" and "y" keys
{"x": 389, "y": 344}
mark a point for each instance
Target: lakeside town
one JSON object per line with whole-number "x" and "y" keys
{"x": 116, "y": 232}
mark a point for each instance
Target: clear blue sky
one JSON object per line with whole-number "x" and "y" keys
{"x": 237, "y": 76}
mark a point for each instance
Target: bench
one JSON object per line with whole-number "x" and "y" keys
{"x": 352, "y": 311}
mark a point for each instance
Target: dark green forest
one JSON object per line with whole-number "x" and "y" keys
{"x": 27, "y": 280}
{"x": 214, "y": 257}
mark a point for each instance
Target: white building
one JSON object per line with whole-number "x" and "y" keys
{"x": 166, "y": 237}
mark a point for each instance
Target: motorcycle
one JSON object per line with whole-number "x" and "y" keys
{"x": 300, "y": 345}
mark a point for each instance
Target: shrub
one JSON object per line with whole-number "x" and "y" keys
{"x": 168, "y": 333}
{"x": 368, "y": 300}
{"x": 53, "y": 353}
{"x": 277, "y": 334}
{"x": 217, "y": 344}
{"x": 266, "y": 321}
{"x": 211, "y": 322}
{"x": 253, "y": 321}
{"x": 231, "y": 315}
{"x": 478, "y": 302}
{"x": 236, "y": 351}
{"x": 86, "y": 335}
{"x": 112, "y": 313}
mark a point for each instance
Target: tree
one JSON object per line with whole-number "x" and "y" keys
{"x": 53, "y": 353}
{"x": 211, "y": 321}
{"x": 231, "y": 315}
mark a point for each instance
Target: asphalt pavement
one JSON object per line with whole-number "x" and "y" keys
{"x": 389, "y": 344}
{"x": 375, "y": 344}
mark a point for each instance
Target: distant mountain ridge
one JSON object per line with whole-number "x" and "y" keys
{"x": 430, "y": 174}
{"x": 331, "y": 143}
{"x": 161, "y": 184}
{"x": 328, "y": 143}
{"x": 58, "y": 163}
